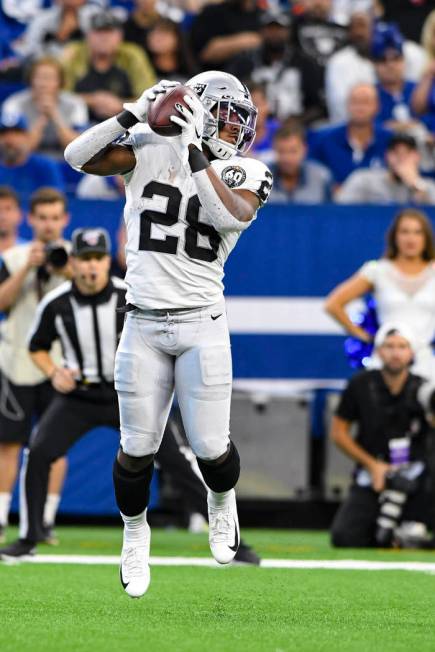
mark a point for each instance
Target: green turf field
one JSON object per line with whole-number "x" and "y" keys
{"x": 83, "y": 608}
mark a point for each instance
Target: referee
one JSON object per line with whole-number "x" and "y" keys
{"x": 82, "y": 315}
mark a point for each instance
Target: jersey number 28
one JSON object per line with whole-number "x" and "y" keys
{"x": 169, "y": 217}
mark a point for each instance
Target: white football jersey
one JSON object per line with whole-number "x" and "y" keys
{"x": 175, "y": 257}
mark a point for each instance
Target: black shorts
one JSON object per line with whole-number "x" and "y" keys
{"x": 21, "y": 406}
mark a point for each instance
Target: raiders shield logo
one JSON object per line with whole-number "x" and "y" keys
{"x": 199, "y": 89}
{"x": 233, "y": 176}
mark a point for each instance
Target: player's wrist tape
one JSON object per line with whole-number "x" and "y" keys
{"x": 92, "y": 141}
{"x": 197, "y": 160}
{"x": 127, "y": 119}
{"x": 218, "y": 214}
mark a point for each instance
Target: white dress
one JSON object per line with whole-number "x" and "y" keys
{"x": 408, "y": 299}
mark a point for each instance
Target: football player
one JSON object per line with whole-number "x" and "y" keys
{"x": 188, "y": 199}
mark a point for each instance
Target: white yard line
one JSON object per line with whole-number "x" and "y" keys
{"x": 327, "y": 564}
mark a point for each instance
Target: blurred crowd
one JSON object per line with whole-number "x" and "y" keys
{"x": 345, "y": 89}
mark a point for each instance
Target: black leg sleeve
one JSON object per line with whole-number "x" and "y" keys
{"x": 62, "y": 424}
{"x": 224, "y": 476}
{"x": 132, "y": 488}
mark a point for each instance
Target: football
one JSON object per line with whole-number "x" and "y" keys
{"x": 163, "y": 107}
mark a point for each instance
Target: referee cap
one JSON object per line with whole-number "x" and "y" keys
{"x": 85, "y": 241}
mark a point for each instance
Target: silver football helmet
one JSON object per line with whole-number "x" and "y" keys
{"x": 226, "y": 101}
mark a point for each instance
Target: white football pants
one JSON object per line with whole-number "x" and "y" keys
{"x": 188, "y": 351}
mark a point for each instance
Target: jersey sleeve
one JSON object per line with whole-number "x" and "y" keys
{"x": 43, "y": 331}
{"x": 246, "y": 174}
{"x": 370, "y": 271}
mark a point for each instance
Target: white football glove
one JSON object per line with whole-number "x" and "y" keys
{"x": 141, "y": 106}
{"x": 192, "y": 122}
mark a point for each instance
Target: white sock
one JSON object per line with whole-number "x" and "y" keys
{"x": 135, "y": 528}
{"x": 220, "y": 499}
{"x": 5, "y": 503}
{"x": 50, "y": 509}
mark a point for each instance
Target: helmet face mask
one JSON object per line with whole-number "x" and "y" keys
{"x": 228, "y": 104}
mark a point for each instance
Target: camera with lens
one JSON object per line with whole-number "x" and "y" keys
{"x": 399, "y": 484}
{"x": 56, "y": 255}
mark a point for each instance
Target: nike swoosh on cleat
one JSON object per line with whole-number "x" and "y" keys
{"x": 214, "y": 317}
{"x": 235, "y": 547}
{"x": 122, "y": 579}
{"x": 198, "y": 135}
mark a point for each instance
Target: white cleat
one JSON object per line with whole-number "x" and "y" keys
{"x": 134, "y": 570}
{"x": 224, "y": 533}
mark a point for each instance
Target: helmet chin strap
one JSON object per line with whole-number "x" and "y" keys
{"x": 218, "y": 149}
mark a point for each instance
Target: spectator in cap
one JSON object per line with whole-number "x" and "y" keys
{"x": 400, "y": 183}
{"x": 104, "y": 70}
{"x": 224, "y": 31}
{"x": 296, "y": 180}
{"x": 19, "y": 167}
{"x": 54, "y": 116}
{"x": 356, "y": 144}
{"x": 353, "y": 64}
{"x": 51, "y": 29}
{"x": 293, "y": 82}
{"x": 394, "y": 90}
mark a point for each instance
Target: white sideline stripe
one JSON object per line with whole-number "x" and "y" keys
{"x": 283, "y": 315}
{"x": 327, "y": 564}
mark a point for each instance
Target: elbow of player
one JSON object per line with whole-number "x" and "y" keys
{"x": 71, "y": 155}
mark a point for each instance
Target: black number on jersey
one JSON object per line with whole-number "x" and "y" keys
{"x": 168, "y": 217}
{"x": 193, "y": 249}
{"x": 265, "y": 187}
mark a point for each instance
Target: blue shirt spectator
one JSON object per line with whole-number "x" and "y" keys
{"x": 296, "y": 180}
{"x": 333, "y": 147}
{"x": 35, "y": 172}
{"x": 394, "y": 90}
{"x": 395, "y": 106}
{"x": 357, "y": 144}
{"x": 19, "y": 168}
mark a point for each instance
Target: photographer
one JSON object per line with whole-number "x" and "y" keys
{"x": 28, "y": 272}
{"x": 389, "y": 482}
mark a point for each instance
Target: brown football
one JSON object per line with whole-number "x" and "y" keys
{"x": 163, "y": 107}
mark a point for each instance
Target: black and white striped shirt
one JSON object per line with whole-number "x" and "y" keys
{"x": 87, "y": 326}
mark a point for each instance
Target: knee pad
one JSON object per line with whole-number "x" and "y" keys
{"x": 222, "y": 477}
{"x": 137, "y": 445}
